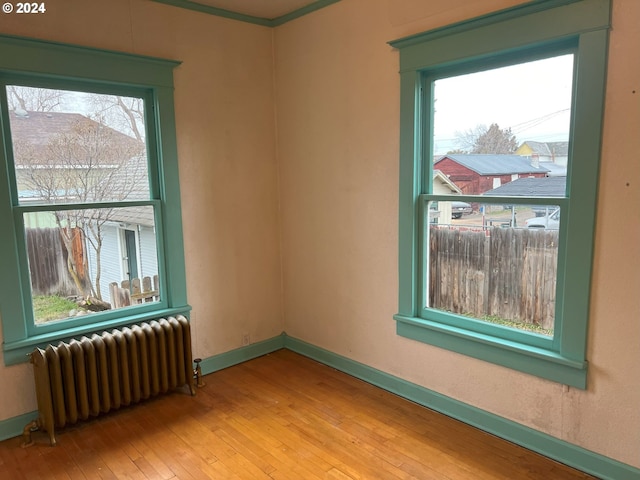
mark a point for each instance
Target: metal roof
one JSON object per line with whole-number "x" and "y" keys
{"x": 495, "y": 164}
{"x": 548, "y": 148}
{"x": 531, "y": 187}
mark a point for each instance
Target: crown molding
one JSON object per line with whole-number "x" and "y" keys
{"x": 265, "y": 22}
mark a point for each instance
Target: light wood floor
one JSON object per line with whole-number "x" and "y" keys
{"x": 281, "y": 416}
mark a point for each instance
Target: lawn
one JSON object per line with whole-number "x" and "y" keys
{"x": 51, "y": 307}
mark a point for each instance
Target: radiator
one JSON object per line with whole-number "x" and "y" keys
{"x": 90, "y": 376}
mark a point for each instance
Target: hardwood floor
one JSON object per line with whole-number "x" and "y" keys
{"x": 281, "y": 416}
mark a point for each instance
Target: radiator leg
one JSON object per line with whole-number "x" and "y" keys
{"x": 27, "y": 441}
{"x": 52, "y": 439}
{"x": 34, "y": 426}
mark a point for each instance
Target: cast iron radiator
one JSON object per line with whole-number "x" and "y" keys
{"x": 90, "y": 376}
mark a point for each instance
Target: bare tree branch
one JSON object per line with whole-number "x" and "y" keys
{"x": 34, "y": 99}
{"x": 124, "y": 113}
{"x": 88, "y": 163}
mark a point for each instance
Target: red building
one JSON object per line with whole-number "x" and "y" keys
{"x": 476, "y": 174}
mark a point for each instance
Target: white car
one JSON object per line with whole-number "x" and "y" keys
{"x": 550, "y": 221}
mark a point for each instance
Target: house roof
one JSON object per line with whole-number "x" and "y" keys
{"x": 444, "y": 180}
{"x": 531, "y": 187}
{"x": 495, "y": 164}
{"x": 39, "y": 129}
{"x": 124, "y": 180}
{"x": 133, "y": 216}
{"x": 131, "y": 182}
{"x": 555, "y": 170}
{"x": 549, "y": 149}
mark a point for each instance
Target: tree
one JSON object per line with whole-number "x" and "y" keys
{"x": 30, "y": 99}
{"x": 124, "y": 113}
{"x": 496, "y": 140}
{"x": 85, "y": 164}
{"x": 488, "y": 140}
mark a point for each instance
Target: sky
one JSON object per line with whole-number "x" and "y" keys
{"x": 532, "y": 98}
{"x": 70, "y": 101}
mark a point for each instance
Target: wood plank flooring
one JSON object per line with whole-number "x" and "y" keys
{"x": 281, "y": 416}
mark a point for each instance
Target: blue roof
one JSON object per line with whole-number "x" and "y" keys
{"x": 532, "y": 187}
{"x": 495, "y": 164}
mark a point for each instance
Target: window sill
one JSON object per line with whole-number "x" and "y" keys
{"x": 18, "y": 351}
{"x": 536, "y": 361}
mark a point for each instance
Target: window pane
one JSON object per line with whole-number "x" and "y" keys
{"x": 500, "y": 132}
{"x": 500, "y": 125}
{"x": 88, "y": 260}
{"x": 493, "y": 262}
{"x": 77, "y": 147}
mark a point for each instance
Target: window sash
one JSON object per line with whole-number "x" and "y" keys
{"x": 477, "y": 325}
{"x": 35, "y": 329}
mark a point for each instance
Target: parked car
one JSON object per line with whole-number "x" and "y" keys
{"x": 542, "y": 210}
{"x": 550, "y": 221}
{"x": 460, "y": 208}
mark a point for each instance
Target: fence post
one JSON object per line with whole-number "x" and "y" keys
{"x": 120, "y": 297}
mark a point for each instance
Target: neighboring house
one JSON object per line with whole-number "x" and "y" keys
{"x": 34, "y": 134}
{"x": 476, "y": 174}
{"x": 440, "y": 212}
{"x": 129, "y": 239}
{"x": 113, "y": 169}
{"x": 551, "y": 155}
{"x": 128, "y": 252}
{"x": 532, "y": 187}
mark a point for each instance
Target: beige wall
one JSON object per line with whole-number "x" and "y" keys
{"x": 226, "y": 146}
{"x": 337, "y": 102}
{"x": 331, "y": 173}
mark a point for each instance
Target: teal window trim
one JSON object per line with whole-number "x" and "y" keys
{"x": 535, "y": 28}
{"x": 56, "y": 65}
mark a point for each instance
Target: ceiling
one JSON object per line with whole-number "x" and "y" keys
{"x": 263, "y": 12}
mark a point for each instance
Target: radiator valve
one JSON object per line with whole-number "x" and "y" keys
{"x": 197, "y": 373}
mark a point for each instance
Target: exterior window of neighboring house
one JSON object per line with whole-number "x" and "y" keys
{"x": 89, "y": 189}
{"x": 508, "y": 280}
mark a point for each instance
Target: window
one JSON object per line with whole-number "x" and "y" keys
{"x": 497, "y": 262}
{"x": 508, "y": 109}
{"x": 89, "y": 193}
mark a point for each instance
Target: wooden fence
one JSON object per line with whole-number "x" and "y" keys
{"x": 138, "y": 291}
{"x": 48, "y": 263}
{"x": 502, "y": 272}
{"x": 49, "y": 275}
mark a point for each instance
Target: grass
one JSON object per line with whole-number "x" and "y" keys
{"x": 529, "y": 327}
{"x": 51, "y": 307}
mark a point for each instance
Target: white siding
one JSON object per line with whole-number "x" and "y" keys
{"x": 111, "y": 260}
{"x": 147, "y": 252}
